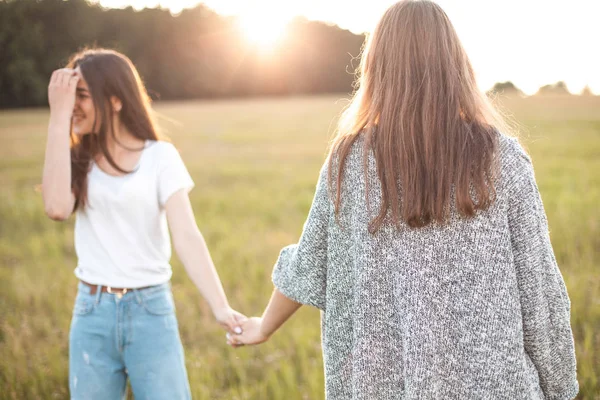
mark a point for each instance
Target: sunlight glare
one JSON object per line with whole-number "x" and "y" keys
{"x": 262, "y": 30}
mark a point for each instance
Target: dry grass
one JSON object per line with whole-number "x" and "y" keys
{"x": 255, "y": 164}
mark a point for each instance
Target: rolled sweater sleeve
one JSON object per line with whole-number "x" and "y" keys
{"x": 545, "y": 305}
{"x": 301, "y": 269}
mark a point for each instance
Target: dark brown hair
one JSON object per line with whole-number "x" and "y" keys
{"x": 108, "y": 73}
{"x": 420, "y": 112}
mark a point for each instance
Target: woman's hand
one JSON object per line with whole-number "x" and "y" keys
{"x": 252, "y": 334}
{"x": 230, "y": 319}
{"x": 61, "y": 92}
{"x": 259, "y": 330}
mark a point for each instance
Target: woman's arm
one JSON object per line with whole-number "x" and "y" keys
{"x": 193, "y": 253}
{"x": 279, "y": 309}
{"x": 56, "y": 180}
{"x": 258, "y": 330}
{"x": 547, "y": 335}
{"x": 299, "y": 274}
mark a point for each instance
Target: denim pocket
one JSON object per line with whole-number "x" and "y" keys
{"x": 83, "y": 305}
{"x": 160, "y": 303}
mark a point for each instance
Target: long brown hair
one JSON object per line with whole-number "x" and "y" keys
{"x": 108, "y": 73}
{"x": 417, "y": 105}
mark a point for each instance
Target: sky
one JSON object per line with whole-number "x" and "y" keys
{"x": 529, "y": 42}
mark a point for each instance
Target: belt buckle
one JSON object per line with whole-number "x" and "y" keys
{"x": 118, "y": 294}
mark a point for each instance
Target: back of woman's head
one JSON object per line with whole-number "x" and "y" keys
{"x": 420, "y": 111}
{"x": 109, "y": 75}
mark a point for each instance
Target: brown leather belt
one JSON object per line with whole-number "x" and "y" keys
{"x": 109, "y": 289}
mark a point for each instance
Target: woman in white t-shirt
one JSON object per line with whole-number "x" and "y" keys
{"x": 105, "y": 162}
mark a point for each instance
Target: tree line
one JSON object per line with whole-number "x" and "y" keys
{"x": 195, "y": 54}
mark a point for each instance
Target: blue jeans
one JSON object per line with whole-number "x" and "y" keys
{"x": 135, "y": 336}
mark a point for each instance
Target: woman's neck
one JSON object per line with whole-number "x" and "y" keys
{"x": 123, "y": 141}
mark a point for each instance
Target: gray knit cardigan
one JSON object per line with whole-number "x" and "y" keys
{"x": 474, "y": 309}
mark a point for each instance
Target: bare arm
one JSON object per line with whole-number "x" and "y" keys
{"x": 259, "y": 330}
{"x": 299, "y": 274}
{"x": 56, "y": 179}
{"x": 279, "y": 310}
{"x": 193, "y": 253}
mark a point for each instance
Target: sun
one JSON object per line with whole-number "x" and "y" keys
{"x": 261, "y": 30}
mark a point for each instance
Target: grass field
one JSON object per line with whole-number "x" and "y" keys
{"x": 255, "y": 164}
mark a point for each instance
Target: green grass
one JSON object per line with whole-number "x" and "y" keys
{"x": 255, "y": 164}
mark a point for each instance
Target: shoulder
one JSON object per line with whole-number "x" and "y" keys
{"x": 354, "y": 156}
{"x": 515, "y": 164}
{"x": 163, "y": 153}
{"x": 511, "y": 150}
{"x": 161, "y": 147}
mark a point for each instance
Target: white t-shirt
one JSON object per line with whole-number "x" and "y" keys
{"x": 121, "y": 236}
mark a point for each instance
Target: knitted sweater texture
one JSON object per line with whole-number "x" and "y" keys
{"x": 472, "y": 309}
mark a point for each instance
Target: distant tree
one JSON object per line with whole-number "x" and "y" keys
{"x": 586, "y": 91}
{"x": 507, "y": 88}
{"x": 556, "y": 89}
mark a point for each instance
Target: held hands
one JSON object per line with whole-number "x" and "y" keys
{"x": 61, "y": 91}
{"x": 258, "y": 330}
{"x": 230, "y": 319}
{"x": 251, "y": 334}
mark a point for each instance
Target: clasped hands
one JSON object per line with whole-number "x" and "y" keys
{"x": 241, "y": 330}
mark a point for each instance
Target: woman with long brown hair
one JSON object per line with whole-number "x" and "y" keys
{"x": 106, "y": 163}
{"x": 426, "y": 246}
